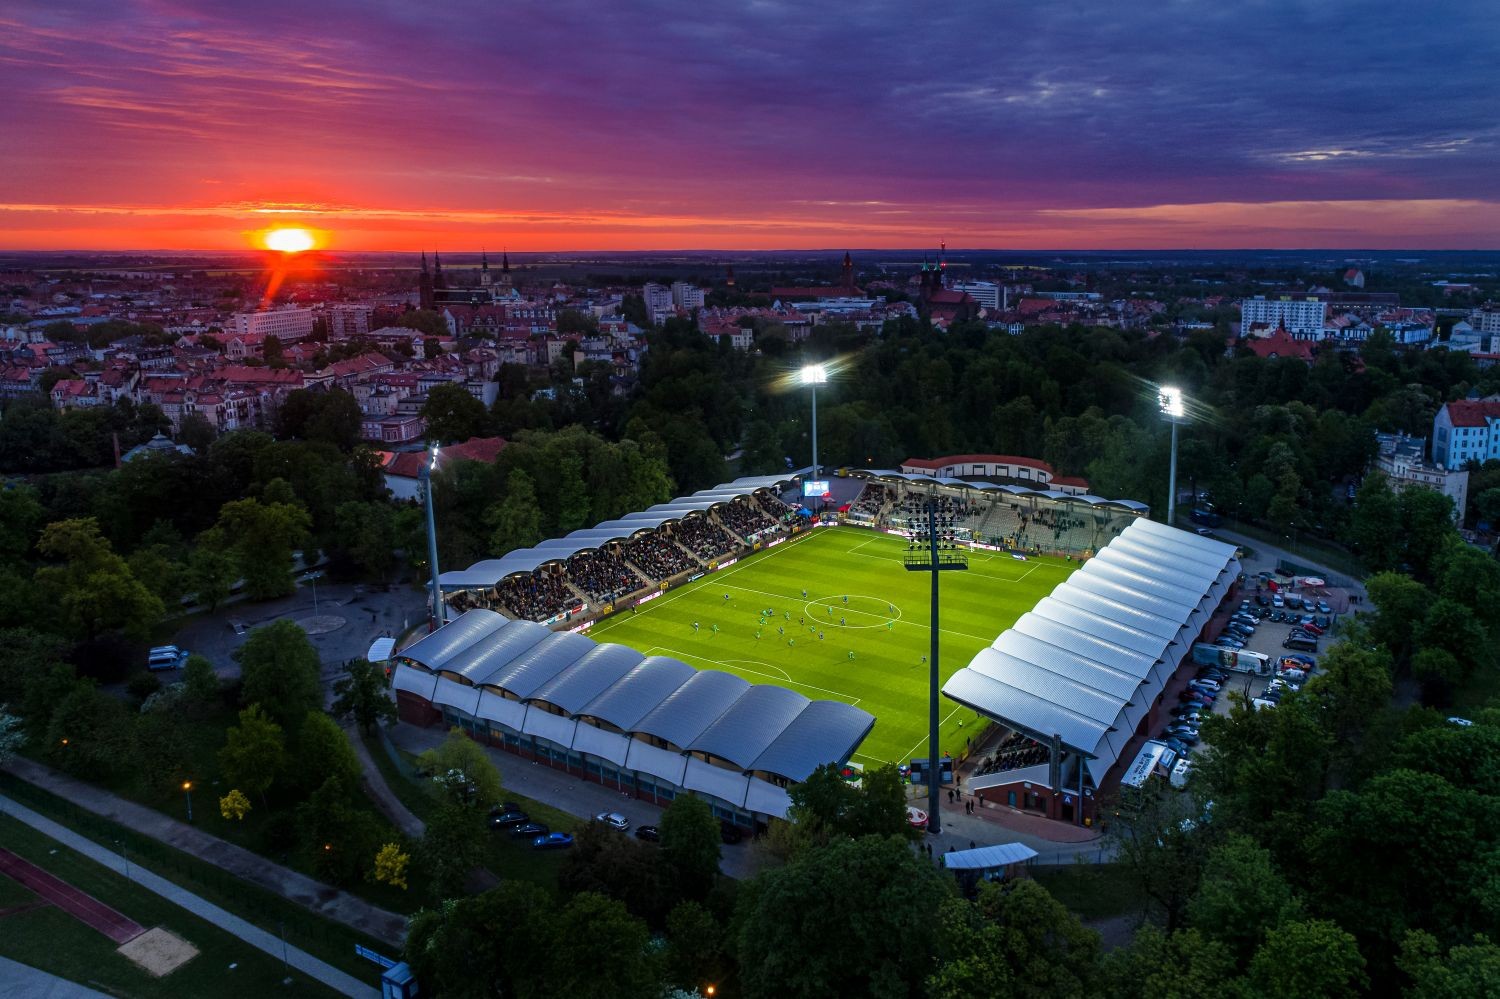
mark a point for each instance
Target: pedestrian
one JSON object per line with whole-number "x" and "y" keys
{"x": 890, "y": 625}
{"x": 820, "y": 636}
{"x": 971, "y": 844}
{"x": 695, "y": 627}
{"x": 950, "y": 796}
{"x": 846, "y": 599}
{"x": 841, "y": 622}
{"x": 804, "y": 594}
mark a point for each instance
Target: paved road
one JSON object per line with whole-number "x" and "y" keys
{"x": 22, "y": 981}
{"x": 312, "y": 895}
{"x": 230, "y": 923}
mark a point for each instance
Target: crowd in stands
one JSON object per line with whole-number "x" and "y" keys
{"x": 915, "y": 505}
{"x": 704, "y": 538}
{"x": 1013, "y": 753}
{"x": 602, "y": 575}
{"x": 535, "y": 596}
{"x": 657, "y": 557}
{"x": 870, "y": 500}
{"x": 744, "y": 519}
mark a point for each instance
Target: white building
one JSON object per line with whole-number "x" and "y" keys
{"x": 1400, "y": 460}
{"x": 286, "y": 325}
{"x": 987, "y": 293}
{"x": 686, "y": 295}
{"x": 658, "y": 299}
{"x": 1303, "y": 317}
{"x": 1486, "y": 319}
{"x": 1466, "y": 430}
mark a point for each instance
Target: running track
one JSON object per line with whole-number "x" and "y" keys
{"x": 75, "y": 903}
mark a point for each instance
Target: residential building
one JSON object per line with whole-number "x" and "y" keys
{"x": 658, "y": 299}
{"x": 1466, "y": 430}
{"x": 349, "y": 319}
{"x": 1302, "y": 317}
{"x": 287, "y": 325}
{"x": 1486, "y": 319}
{"x": 1401, "y": 460}
{"x": 988, "y": 294}
{"x": 686, "y": 295}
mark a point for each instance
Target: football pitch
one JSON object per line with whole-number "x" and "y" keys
{"x": 858, "y": 599}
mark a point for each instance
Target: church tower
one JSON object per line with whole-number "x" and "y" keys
{"x": 846, "y": 278}
{"x": 507, "y": 285}
{"x": 439, "y": 283}
{"x": 484, "y": 270}
{"x": 424, "y": 285}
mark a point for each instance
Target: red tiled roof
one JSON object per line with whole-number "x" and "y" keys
{"x": 1281, "y": 344}
{"x": 979, "y": 459}
{"x": 406, "y": 464}
{"x": 1472, "y": 412}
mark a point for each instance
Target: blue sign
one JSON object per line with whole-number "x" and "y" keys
{"x": 370, "y": 955}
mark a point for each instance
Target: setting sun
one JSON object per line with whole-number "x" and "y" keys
{"x": 289, "y": 240}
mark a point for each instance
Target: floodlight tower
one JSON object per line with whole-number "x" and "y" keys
{"x": 812, "y": 376}
{"x": 1170, "y": 401}
{"x": 424, "y": 475}
{"x": 935, "y": 553}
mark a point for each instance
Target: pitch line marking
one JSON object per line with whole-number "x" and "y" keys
{"x": 853, "y": 701}
{"x": 924, "y": 738}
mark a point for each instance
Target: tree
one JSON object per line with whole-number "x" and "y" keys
{"x": 1471, "y": 969}
{"x": 620, "y": 867}
{"x": 202, "y": 681}
{"x": 881, "y": 899}
{"x": 390, "y": 866}
{"x": 1401, "y": 602}
{"x": 366, "y": 532}
{"x": 695, "y": 946}
{"x": 462, "y": 768}
{"x": 690, "y": 844}
{"x": 234, "y": 805}
{"x": 493, "y": 944}
{"x": 12, "y": 735}
{"x": 1309, "y": 958}
{"x": 265, "y": 535}
{"x": 339, "y": 838}
{"x": 451, "y": 847}
{"x": 324, "y": 752}
{"x": 452, "y": 414}
{"x": 211, "y": 570}
{"x": 1426, "y": 526}
{"x": 330, "y": 416}
{"x": 1182, "y": 965}
{"x": 196, "y": 432}
{"x": 591, "y": 925}
{"x": 93, "y": 589}
{"x": 89, "y": 733}
{"x": 1241, "y": 897}
{"x": 280, "y": 671}
{"x": 363, "y": 695}
{"x": 1014, "y": 939}
{"x": 427, "y": 321}
{"x": 1488, "y": 505}
{"x": 254, "y": 752}
{"x": 516, "y": 521}
{"x": 1162, "y": 852}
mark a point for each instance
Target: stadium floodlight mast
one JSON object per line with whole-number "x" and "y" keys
{"x": 424, "y": 475}
{"x": 812, "y": 376}
{"x": 1170, "y": 401}
{"x": 936, "y": 553}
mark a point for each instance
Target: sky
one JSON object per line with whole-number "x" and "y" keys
{"x": 685, "y": 124}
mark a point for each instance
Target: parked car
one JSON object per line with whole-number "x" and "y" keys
{"x": 1322, "y": 621}
{"x": 1311, "y": 628}
{"x": 1187, "y": 737}
{"x": 1210, "y": 673}
{"x": 1262, "y": 600}
{"x": 650, "y": 834}
{"x": 552, "y": 841}
{"x": 1177, "y": 746}
{"x": 165, "y": 657}
{"x": 614, "y": 820}
{"x": 505, "y": 819}
{"x": 1228, "y": 642}
{"x": 1324, "y": 608}
{"x": 1298, "y": 657}
{"x": 1209, "y": 685}
{"x": 530, "y": 830}
{"x": 1277, "y": 600}
{"x": 1293, "y": 675}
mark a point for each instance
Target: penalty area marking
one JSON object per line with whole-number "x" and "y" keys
{"x": 924, "y": 738}
{"x": 784, "y": 678}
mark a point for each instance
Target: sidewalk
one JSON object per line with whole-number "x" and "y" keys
{"x": 380, "y": 792}
{"x": 312, "y": 895}
{"x": 22, "y": 981}
{"x": 230, "y": 923}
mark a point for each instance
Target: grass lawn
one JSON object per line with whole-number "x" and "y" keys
{"x": 1092, "y": 891}
{"x": 507, "y": 858}
{"x": 325, "y": 939}
{"x": 50, "y": 939}
{"x": 853, "y": 576}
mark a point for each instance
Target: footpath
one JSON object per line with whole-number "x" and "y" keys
{"x": 230, "y": 923}
{"x": 312, "y": 895}
{"x": 380, "y": 792}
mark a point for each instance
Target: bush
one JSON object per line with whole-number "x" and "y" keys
{"x": 106, "y": 658}
{"x": 142, "y": 686}
{"x": 279, "y": 833}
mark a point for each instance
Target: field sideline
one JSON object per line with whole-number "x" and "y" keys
{"x": 885, "y": 625}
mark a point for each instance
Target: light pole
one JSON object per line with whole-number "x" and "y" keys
{"x": 812, "y": 376}
{"x": 933, "y": 554}
{"x": 1170, "y": 401}
{"x": 425, "y": 475}
{"x": 187, "y": 792}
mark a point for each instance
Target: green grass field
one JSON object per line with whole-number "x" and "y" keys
{"x": 887, "y": 676}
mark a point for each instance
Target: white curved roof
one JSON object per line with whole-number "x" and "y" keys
{"x": 518, "y": 673}
{"x": 1088, "y": 661}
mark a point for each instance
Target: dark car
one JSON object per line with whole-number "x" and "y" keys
{"x": 650, "y": 834}
{"x": 530, "y": 829}
{"x": 730, "y": 833}
{"x": 552, "y": 841}
{"x": 503, "y": 807}
{"x": 505, "y": 819}
{"x": 1262, "y": 600}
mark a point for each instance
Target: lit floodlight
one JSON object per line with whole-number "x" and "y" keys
{"x": 813, "y": 374}
{"x": 1170, "y": 401}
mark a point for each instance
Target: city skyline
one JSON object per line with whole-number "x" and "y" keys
{"x": 180, "y": 125}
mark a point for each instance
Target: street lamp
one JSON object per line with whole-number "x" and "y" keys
{"x": 1170, "y": 401}
{"x": 812, "y": 376}
{"x": 187, "y": 792}
{"x": 424, "y": 475}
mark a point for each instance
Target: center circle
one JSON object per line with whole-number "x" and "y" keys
{"x": 875, "y": 610}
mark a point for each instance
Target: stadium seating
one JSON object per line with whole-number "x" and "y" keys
{"x": 744, "y": 519}
{"x": 534, "y": 596}
{"x": 704, "y": 538}
{"x": 1013, "y": 753}
{"x": 603, "y": 575}
{"x": 657, "y": 557}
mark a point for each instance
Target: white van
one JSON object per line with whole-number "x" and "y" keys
{"x": 164, "y": 657}
{"x": 1180, "y": 772}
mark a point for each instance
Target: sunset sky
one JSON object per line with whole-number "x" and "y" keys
{"x": 186, "y": 124}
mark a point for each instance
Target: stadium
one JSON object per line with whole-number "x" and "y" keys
{"x": 729, "y": 642}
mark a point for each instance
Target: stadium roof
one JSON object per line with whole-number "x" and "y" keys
{"x": 523, "y": 669}
{"x": 1089, "y": 660}
{"x": 489, "y": 573}
{"x": 1052, "y": 494}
